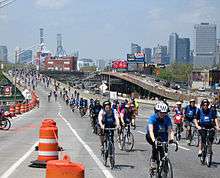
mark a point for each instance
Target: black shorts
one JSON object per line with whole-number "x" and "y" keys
{"x": 203, "y": 134}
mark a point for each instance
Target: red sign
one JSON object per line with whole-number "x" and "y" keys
{"x": 119, "y": 64}
{"x": 7, "y": 90}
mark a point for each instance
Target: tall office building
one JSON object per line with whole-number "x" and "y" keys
{"x": 3, "y": 54}
{"x": 183, "y": 51}
{"x": 179, "y": 49}
{"x": 160, "y": 56}
{"x": 25, "y": 57}
{"x": 205, "y": 45}
{"x": 101, "y": 63}
{"x": 148, "y": 55}
{"x": 135, "y": 48}
{"x": 217, "y": 60}
{"x": 172, "y": 48}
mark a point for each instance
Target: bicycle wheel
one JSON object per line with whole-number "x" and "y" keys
{"x": 167, "y": 169}
{"x": 193, "y": 140}
{"x": 104, "y": 154}
{"x": 6, "y": 124}
{"x": 203, "y": 157}
{"x": 120, "y": 141}
{"x": 128, "y": 142}
{"x": 209, "y": 156}
{"x": 111, "y": 154}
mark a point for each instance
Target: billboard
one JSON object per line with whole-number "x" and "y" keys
{"x": 136, "y": 58}
{"x": 119, "y": 64}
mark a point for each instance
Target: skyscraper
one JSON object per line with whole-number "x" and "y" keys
{"x": 205, "y": 45}
{"x": 183, "y": 51}
{"x": 179, "y": 49}
{"x": 25, "y": 57}
{"x": 172, "y": 47}
{"x": 218, "y": 53}
{"x": 3, "y": 54}
{"x": 135, "y": 48}
{"x": 148, "y": 54}
{"x": 160, "y": 55}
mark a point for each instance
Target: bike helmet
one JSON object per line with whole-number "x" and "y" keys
{"x": 105, "y": 103}
{"x": 204, "y": 101}
{"x": 192, "y": 100}
{"x": 178, "y": 103}
{"x": 97, "y": 102}
{"x": 161, "y": 107}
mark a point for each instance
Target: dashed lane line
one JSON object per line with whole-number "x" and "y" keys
{"x": 89, "y": 150}
{"x": 178, "y": 146}
{"x": 19, "y": 162}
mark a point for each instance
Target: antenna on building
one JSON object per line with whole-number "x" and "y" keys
{"x": 60, "y": 50}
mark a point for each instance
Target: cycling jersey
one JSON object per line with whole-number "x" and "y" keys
{"x": 178, "y": 111}
{"x": 109, "y": 119}
{"x": 96, "y": 109}
{"x": 126, "y": 116}
{"x": 160, "y": 128}
{"x": 206, "y": 118}
{"x": 190, "y": 112}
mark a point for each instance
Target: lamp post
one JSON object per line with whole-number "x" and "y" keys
{"x": 109, "y": 80}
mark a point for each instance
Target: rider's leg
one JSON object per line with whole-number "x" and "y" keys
{"x": 203, "y": 134}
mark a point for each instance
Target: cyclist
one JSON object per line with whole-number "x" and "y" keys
{"x": 95, "y": 112}
{"x": 178, "y": 108}
{"x": 178, "y": 116}
{"x": 126, "y": 115}
{"x": 91, "y": 105}
{"x": 108, "y": 118}
{"x": 190, "y": 113}
{"x": 159, "y": 128}
{"x": 115, "y": 104}
{"x": 205, "y": 119}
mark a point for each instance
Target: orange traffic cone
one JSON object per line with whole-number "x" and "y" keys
{"x": 48, "y": 143}
{"x": 65, "y": 169}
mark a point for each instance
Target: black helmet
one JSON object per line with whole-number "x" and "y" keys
{"x": 97, "y": 102}
{"x": 105, "y": 103}
{"x": 204, "y": 101}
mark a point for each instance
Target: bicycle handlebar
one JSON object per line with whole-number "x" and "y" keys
{"x": 176, "y": 144}
{"x": 109, "y": 128}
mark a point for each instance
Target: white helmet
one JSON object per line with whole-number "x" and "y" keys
{"x": 161, "y": 107}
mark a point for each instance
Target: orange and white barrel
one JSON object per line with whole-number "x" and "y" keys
{"x": 12, "y": 109}
{"x": 48, "y": 141}
{"x": 17, "y": 108}
{"x": 22, "y": 108}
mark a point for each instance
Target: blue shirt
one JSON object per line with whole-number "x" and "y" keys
{"x": 160, "y": 128}
{"x": 190, "y": 112}
{"x": 206, "y": 118}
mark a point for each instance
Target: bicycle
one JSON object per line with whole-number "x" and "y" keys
{"x": 164, "y": 167}
{"x": 126, "y": 138}
{"x": 5, "y": 123}
{"x": 108, "y": 147}
{"x": 192, "y": 135}
{"x": 207, "y": 153}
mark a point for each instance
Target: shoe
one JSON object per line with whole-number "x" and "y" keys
{"x": 153, "y": 164}
{"x": 200, "y": 153}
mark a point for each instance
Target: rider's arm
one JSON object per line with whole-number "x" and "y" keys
{"x": 116, "y": 117}
{"x": 100, "y": 118}
{"x": 171, "y": 133}
{"x": 151, "y": 131}
{"x": 122, "y": 117}
{"x": 196, "y": 121}
{"x": 217, "y": 123}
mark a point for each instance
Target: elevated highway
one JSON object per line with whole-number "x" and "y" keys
{"x": 147, "y": 83}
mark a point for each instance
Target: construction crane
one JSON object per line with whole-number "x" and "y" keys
{"x": 6, "y": 3}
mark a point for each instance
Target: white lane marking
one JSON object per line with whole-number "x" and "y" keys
{"x": 89, "y": 150}
{"x": 19, "y": 162}
{"x": 141, "y": 132}
{"x": 183, "y": 148}
{"x": 178, "y": 146}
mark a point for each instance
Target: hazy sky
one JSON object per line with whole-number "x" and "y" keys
{"x": 102, "y": 28}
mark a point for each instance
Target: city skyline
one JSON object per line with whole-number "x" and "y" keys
{"x": 103, "y": 36}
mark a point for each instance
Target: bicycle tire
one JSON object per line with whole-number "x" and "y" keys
{"x": 6, "y": 124}
{"x": 209, "y": 160}
{"x": 120, "y": 141}
{"x": 112, "y": 155}
{"x": 203, "y": 157}
{"x": 167, "y": 169}
{"x": 128, "y": 142}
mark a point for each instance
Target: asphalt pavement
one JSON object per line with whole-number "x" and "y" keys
{"x": 75, "y": 136}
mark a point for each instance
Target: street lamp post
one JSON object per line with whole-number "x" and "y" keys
{"x": 109, "y": 80}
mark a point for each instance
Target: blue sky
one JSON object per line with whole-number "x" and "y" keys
{"x": 103, "y": 28}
